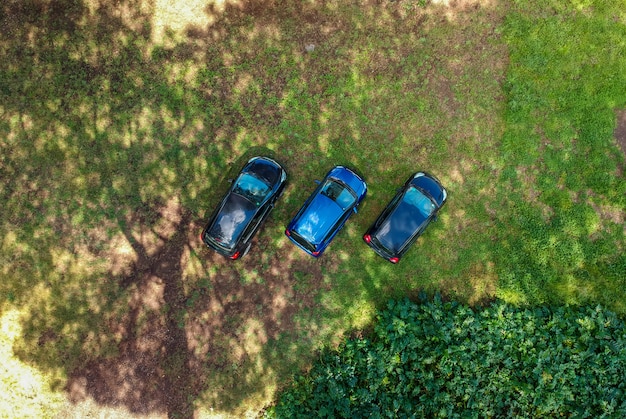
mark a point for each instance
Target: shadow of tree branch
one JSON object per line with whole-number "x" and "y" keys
{"x": 113, "y": 147}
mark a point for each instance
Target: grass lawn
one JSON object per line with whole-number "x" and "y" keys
{"x": 120, "y": 123}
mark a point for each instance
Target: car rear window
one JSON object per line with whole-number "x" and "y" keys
{"x": 405, "y": 220}
{"x": 231, "y": 221}
{"x": 302, "y": 241}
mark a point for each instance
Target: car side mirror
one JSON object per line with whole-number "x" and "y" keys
{"x": 318, "y": 182}
{"x": 231, "y": 180}
{"x": 354, "y": 209}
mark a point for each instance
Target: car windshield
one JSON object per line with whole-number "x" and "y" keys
{"x": 252, "y": 188}
{"x": 420, "y": 201}
{"x": 406, "y": 219}
{"x": 339, "y": 193}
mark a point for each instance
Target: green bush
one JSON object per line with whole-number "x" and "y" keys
{"x": 447, "y": 360}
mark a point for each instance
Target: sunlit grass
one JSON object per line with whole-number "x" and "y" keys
{"x": 130, "y": 129}
{"x": 564, "y": 82}
{"x": 27, "y": 392}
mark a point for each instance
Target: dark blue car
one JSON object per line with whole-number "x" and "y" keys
{"x": 406, "y": 217}
{"x": 325, "y": 212}
{"x": 245, "y": 206}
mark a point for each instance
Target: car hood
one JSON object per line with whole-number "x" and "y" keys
{"x": 317, "y": 219}
{"x": 265, "y": 169}
{"x": 231, "y": 220}
{"x": 351, "y": 179}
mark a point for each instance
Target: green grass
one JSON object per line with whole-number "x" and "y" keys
{"x": 564, "y": 84}
{"x": 115, "y": 147}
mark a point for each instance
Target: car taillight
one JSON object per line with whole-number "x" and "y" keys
{"x": 287, "y": 233}
{"x": 316, "y": 253}
{"x": 394, "y": 260}
{"x": 235, "y": 256}
{"x": 367, "y": 238}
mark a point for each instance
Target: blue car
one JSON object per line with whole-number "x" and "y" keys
{"x": 327, "y": 209}
{"x": 406, "y": 217}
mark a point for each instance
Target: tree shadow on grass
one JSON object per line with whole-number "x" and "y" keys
{"x": 152, "y": 370}
{"x": 115, "y": 148}
{"x": 183, "y": 340}
{"x": 112, "y": 160}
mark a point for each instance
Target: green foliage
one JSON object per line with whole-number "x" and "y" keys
{"x": 442, "y": 359}
{"x": 116, "y": 143}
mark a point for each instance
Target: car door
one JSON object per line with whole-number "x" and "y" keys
{"x": 338, "y": 225}
{"x": 417, "y": 233}
{"x": 390, "y": 207}
{"x": 255, "y": 223}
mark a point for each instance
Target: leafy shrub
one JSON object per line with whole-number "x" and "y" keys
{"x": 448, "y": 360}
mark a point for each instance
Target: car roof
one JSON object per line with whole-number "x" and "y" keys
{"x": 404, "y": 220}
{"x": 318, "y": 218}
{"x": 231, "y": 220}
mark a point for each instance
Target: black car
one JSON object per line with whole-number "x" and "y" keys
{"x": 406, "y": 217}
{"x": 246, "y": 205}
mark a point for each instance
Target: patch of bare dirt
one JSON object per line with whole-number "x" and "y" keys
{"x": 181, "y": 335}
{"x": 152, "y": 350}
